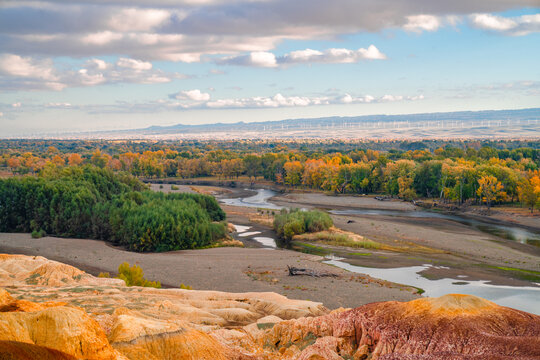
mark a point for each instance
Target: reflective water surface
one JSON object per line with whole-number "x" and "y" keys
{"x": 259, "y": 200}
{"x": 526, "y": 298}
{"x": 523, "y": 298}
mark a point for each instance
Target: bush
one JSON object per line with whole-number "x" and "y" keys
{"x": 174, "y": 187}
{"x": 36, "y": 234}
{"x": 296, "y": 222}
{"x": 344, "y": 240}
{"x": 134, "y": 276}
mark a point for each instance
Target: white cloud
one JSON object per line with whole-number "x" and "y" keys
{"x": 134, "y": 19}
{"x": 195, "y": 95}
{"x": 332, "y": 56}
{"x": 33, "y": 74}
{"x": 101, "y": 38}
{"x": 194, "y": 99}
{"x": 307, "y": 56}
{"x": 257, "y": 59}
{"x": 15, "y": 65}
{"x": 419, "y": 23}
{"x": 177, "y": 30}
{"x": 516, "y": 26}
{"x": 58, "y": 105}
{"x": 136, "y": 65}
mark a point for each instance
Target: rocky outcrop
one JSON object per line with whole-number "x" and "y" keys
{"x": 64, "y": 309}
{"x": 37, "y": 270}
{"x": 450, "y": 327}
{"x": 85, "y": 317}
{"x": 14, "y": 350}
{"x": 61, "y": 328}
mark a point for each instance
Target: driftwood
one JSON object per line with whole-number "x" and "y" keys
{"x": 293, "y": 271}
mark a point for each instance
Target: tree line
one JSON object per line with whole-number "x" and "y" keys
{"x": 456, "y": 172}
{"x": 91, "y": 202}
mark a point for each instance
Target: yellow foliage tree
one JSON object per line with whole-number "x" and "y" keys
{"x": 529, "y": 190}
{"x": 134, "y": 276}
{"x": 489, "y": 189}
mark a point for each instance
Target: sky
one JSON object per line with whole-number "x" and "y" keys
{"x": 84, "y": 65}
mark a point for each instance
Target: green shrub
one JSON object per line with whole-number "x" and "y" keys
{"x": 89, "y": 202}
{"x": 296, "y": 222}
{"x": 174, "y": 187}
{"x": 134, "y": 276}
{"x": 36, "y": 234}
{"x": 345, "y": 240}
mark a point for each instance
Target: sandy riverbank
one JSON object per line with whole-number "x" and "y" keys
{"x": 223, "y": 269}
{"x": 457, "y": 250}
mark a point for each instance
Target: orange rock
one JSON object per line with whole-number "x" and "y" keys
{"x": 146, "y": 323}
{"x": 61, "y": 328}
{"x": 12, "y": 350}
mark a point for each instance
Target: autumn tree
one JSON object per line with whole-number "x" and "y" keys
{"x": 74, "y": 159}
{"x": 489, "y": 188}
{"x": 57, "y": 160}
{"x": 253, "y": 166}
{"x": 529, "y": 190}
{"x": 13, "y": 163}
{"x": 293, "y": 171}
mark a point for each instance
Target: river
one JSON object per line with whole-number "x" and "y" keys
{"x": 525, "y": 298}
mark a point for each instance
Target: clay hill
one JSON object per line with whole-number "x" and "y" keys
{"x": 50, "y": 310}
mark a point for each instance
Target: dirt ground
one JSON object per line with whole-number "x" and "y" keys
{"x": 255, "y": 268}
{"x": 435, "y": 241}
{"x": 224, "y": 269}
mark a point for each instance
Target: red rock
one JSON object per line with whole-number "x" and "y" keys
{"x": 449, "y": 327}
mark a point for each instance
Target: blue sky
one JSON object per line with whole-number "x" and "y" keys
{"x": 92, "y": 65}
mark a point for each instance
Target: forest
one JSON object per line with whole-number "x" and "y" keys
{"x": 470, "y": 172}
{"x": 91, "y": 202}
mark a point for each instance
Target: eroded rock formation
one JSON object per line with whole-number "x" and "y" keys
{"x": 55, "y": 311}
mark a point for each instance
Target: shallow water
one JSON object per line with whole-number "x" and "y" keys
{"x": 523, "y": 298}
{"x": 515, "y": 233}
{"x": 242, "y": 231}
{"x": 259, "y": 200}
{"x": 266, "y": 241}
{"x": 241, "y": 228}
{"x": 249, "y": 233}
{"x": 526, "y": 298}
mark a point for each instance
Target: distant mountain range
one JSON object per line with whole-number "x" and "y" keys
{"x": 475, "y": 124}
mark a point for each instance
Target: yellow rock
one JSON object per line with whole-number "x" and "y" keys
{"x": 62, "y": 328}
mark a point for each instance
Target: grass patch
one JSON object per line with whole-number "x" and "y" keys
{"x": 264, "y": 326}
{"x": 32, "y": 279}
{"x": 337, "y": 237}
{"x": 522, "y": 274}
{"x": 359, "y": 254}
{"x": 309, "y": 248}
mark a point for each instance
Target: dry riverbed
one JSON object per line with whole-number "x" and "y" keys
{"x": 223, "y": 269}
